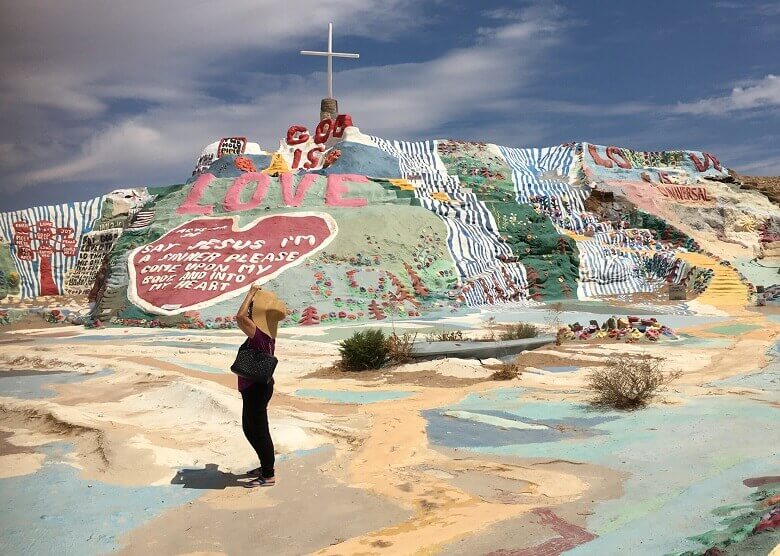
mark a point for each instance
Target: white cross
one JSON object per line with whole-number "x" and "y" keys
{"x": 330, "y": 54}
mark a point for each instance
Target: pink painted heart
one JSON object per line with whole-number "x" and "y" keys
{"x": 208, "y": 260}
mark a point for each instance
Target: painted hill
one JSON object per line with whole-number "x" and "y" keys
{"x": 347, "y": 226}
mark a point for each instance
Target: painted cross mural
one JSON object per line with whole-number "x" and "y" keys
{"x": 42, "y": 241}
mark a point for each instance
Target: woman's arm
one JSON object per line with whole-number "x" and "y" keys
{"x": 243, "y": 318}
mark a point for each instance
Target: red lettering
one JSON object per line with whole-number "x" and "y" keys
{"x": 297, "y": 134}
{"x": 322, "y": 133}
{"x": 313, "y": 157}
{"x": 701, "y": 165}
{"x": 286, "y": 183}
{"x": 336, "y": 188}
{"x": 614, "y": 154}
{"x": 343, "y": 121}
{"x": 715, "y": 161}
{"x": 663, "y": 177}
{"x": 233, "y": 202}
{"x": 597, "y": 158}
{"x": 190, "y": 204}
{"x": 21, "y": 227}
{"x": 296, "y": 158}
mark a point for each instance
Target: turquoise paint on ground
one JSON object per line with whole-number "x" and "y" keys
{"x": 53, "y": 511}
{"x": 733, "y": 329}
{"x": 683, "y": 460}
{"x": 766, "y": 380}
{"x": 303, "y": 453}
{"x": 696, "y": 342}
{"x": 342, "y": 396}
{"x": 563, "y": 369}
{"x": 38, "y": 385}
{"x": 755, "y": 272}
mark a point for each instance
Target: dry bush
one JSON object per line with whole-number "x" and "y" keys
{"x": 507, "y": 371}
{"x": 554, "y": 320}
{"x": 400, "y": 347}
{"x": 520, "y": 331}
{"x": 491, "y": 324}
{"x": 628, "y": 383}
{"x": 444, "y": 336}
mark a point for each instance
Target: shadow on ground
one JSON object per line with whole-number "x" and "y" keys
{"x": 208, "y": 478}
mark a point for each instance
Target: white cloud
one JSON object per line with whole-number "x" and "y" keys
{"x": 763, "y": 93}
{"x": 160, "y": 144}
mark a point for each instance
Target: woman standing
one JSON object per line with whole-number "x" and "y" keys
{"x": 258, "y": 318}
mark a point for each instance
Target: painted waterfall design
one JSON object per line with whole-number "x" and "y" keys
{"x": 472, "y": 239}
{"x": 541, "y": 178}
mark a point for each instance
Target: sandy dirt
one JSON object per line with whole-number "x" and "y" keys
{"x": 354, "y": 477}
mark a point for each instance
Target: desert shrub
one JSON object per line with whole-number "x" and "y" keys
{"x": 444, "y": 336}
{"x": 366, "y": 349}
{"x": 628, "y": 383}
{"x": 520, "y": 331}
{"x": 491, "y": 326}
{"x": 400, "y": 347}
{"x": 507, "y": 371}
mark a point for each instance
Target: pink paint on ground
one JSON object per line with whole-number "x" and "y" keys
{"x": 570, "y": 536}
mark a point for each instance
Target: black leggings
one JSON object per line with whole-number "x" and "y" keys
{"x": 254, "y": 420}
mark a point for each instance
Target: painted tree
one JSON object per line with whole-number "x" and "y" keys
{"x": 514, "y": 293}
{"x": 309, "y": 316}
{"x": 42, "y": 241}
{"x": 402, "y": 294}
{"x": 534, "y": 287}
{"x": 417, "y": 284}
{"x": 376, "y": 310}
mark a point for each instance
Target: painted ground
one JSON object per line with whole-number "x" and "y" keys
{"x": 128, "y": 441}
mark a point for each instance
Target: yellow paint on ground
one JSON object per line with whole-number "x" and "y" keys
{"x": 390, "y": 464}
{"x": 726, "y": 288}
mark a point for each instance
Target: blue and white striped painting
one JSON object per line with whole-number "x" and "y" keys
{"x": 80, "y": 216}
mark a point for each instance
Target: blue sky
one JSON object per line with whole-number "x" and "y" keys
{"x": 99, "y": 95}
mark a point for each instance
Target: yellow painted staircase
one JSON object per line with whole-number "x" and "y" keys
{"x": 726, "y": 288}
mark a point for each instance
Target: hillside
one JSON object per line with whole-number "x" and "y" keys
{"x": 346, "y": 226}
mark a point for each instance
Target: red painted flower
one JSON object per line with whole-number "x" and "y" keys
{"x": 245, "y": 164}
